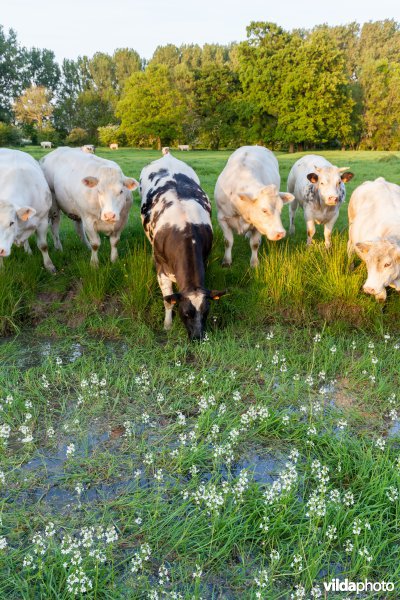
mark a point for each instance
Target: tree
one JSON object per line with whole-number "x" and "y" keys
{"x": 70, "y": 86}
{"x": 33, "y": 107}
{"x": 42, "y": 69}
{"x": 12, "y": 61}
{"x": 215, "y": 109}
{"x": 151, "y": 108}
{"x": 93, "y": 111}
{"x": 315, "y": 104}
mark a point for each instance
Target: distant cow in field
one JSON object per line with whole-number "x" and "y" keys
{"x": 25, "y": 201}
{"x": 88, "y": 148}
{"x": 183, "y": 147}
{"x": 374, "y": 234}
{"x": 176, "y": 216}
{"x": 248, "y": 199}
{"x": 93, "y": 192}
{"x": 113, "y": 146}
{"x": 46, "y": 144}
{"x": 318, "y": 187}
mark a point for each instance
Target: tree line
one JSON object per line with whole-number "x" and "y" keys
{"x": 324, "y": 87}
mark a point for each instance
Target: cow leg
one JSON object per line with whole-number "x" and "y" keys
{"x": 228, "y": 237}
{"x": 166, "y": 289}
{"x": 41, "y": 234}
{"x": 255, "y": 240}
{"x": 114, "y": 239}
{"x": 328, "y": 231}
{"x": 292, "y": 213}
{"x": 81, "y": 233}
{"x": 94, "y": 241}
{"x": 310, "y": 231}
{"x": 55, "y": 218}
{"x": 27, "y": 247}
{"x": 1, "y": 262}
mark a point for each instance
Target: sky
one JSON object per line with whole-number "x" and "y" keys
{"x": 73, "y": 28}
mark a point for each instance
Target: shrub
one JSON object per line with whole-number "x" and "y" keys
{"x": 9, "y": 135}
{"x": 78, "y": 137}
{"x": 111, "y": 134}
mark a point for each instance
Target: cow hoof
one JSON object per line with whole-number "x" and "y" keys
{"x": 51, "y": 269}
{"x": 291, "y": 231}
{"x": 254, "y": 264}
{"x": 226, "y": 264}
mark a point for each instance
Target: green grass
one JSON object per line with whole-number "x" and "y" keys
{"x": 163, "y": 431}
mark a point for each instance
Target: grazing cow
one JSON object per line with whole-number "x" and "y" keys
{"x": 113, "y": 146}
{"x": 183, "y": 147}
{"x": 88, "y": 148}
{"x": 93, "y": 192}
{"x": 318, "y": 187}
{"x": 46, "y": 144}
{"x": 374, "y": 234}
{"x": 25, "y": 201}
{"x": 248, "y": 199}
{"x": 176, "y": 216}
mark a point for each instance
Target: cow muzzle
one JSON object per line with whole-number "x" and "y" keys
{"x": 371, "y": 290}
{"x": 332, "y": 201}
{"x": 279, "y": 235}
{"x": 109, "y": 217}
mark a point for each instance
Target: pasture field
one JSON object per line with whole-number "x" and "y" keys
{"x": 258, "y": 463}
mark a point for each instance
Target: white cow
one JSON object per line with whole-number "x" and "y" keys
{"x": 248, "y": 199}
{"x": 183, "y": 147}
{"x": 318, "y": 187}
{"x": 113, "y": 146}
{"x": 374, "y": 234}
{"x": 25, "y": 201}
{"x": 46, "y": 144}
{"x": 93, "y": 192}
{"x": 88, "y": 148}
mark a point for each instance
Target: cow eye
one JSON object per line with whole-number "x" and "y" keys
{"x": 388, "y": 264}
{"x": 266, "y": 211}
{"x": 12, "y": 223}
{"x": 122, "y": 191}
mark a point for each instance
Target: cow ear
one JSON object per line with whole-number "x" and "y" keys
{"x": 25, "y": 212}
{"x": 90, "y": 182}
{"x": 345, "y": 177}
{"x": 172, "y": 299}
{"x": 130, "y": 183}
{"x": 286, "y": 197}
{"x": 216, "y": 294}
{"x": 364, "y": 247}
{"x": 313, "y": 177}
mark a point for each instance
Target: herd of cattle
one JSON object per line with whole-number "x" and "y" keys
{"x": 176, "y": 214}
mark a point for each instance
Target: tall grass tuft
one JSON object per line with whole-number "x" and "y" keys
{"x": 139, "y": 280}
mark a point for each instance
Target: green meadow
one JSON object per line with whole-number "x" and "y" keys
{"x": 259, "y": 463}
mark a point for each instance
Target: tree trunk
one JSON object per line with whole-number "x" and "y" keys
{"x": 291, "y": 148}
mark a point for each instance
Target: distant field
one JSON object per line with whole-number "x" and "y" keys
{"x": 256, "y": 464}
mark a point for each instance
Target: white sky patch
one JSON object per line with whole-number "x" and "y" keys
{"x": 76, "y": 28}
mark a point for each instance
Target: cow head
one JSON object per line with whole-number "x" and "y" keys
{"x": 194, "y": 307}
{"x": 264, "y": 210}
{"x": 111, "y": 186}
{"x": 10, "y": 221}
{"x": 328, "y": 181}
{"x": 382, "y": 259}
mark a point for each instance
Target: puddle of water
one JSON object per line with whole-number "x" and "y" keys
{"x": 27, "y": 350}
{"x": 394, "y": 430}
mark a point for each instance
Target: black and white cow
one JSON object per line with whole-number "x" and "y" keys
{"x": 176, "y": 216}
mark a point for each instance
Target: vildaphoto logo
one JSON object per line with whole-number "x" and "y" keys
{"x": 337, "y": 585}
